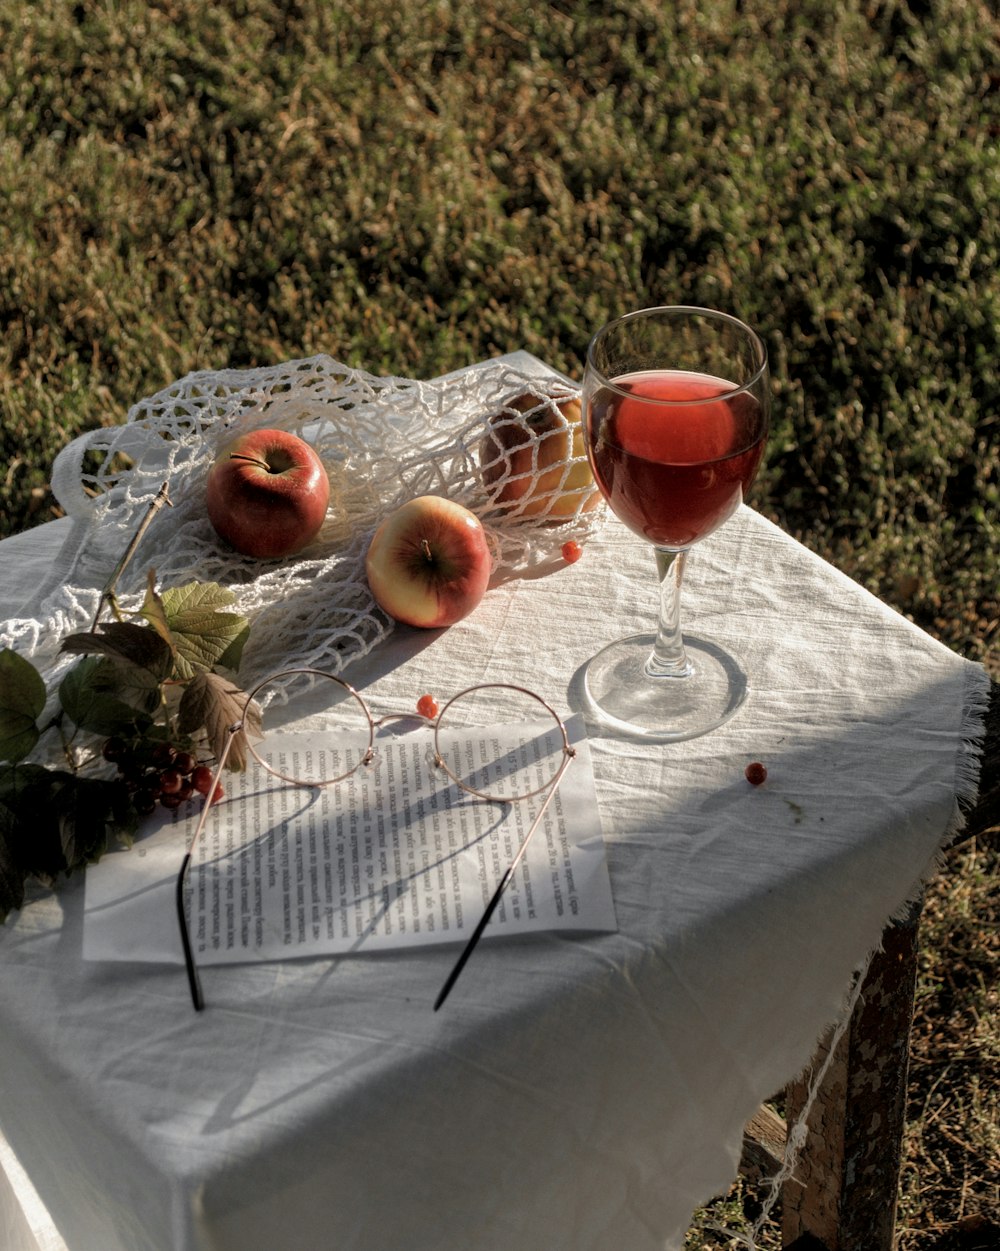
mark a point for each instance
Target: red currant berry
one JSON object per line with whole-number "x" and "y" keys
{"x": 201, "y": 778}
{"x": 130, "y": 775}
{"x": 427, "y": 707}
{"x": 170, "y": 782}
{"x": 216, "y": 795}
{"x": 571, "y": 551}
{"x": 184, "y": 762}
{"x": 755, "y": 773}
{"x": 170, "y": 801}
{"x": 162, "y": 755}
{"x": 114, "y": 749}
{"x": 186, "y": 790}
{"x": 144, "y": 801}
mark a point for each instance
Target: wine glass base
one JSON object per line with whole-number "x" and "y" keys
{"x": 669, "y": 709}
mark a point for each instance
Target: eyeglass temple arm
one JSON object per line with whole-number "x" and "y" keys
{"x": 194, "y": 981}
{"x": 491, "y": 907}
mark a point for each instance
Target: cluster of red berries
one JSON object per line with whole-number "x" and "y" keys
{"x": 158, "y": 773}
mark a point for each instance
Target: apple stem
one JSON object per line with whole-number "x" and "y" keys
{"x": 427, "y": 551}
{"x": 254, "y": 460}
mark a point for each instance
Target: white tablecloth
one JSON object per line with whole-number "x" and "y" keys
{"x": 575, "y": 1092}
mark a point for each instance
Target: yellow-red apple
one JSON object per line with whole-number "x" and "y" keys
{"x": 428, "y": 562}
{"x": 536, "y": 451}
{"x": 267, "y": 493}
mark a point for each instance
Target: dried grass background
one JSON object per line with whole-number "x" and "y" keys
{"x": 414, "y": 186}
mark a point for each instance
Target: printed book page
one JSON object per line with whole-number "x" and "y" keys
{"x": 395, "y": 855}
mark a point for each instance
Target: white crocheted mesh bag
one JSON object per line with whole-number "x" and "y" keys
{"x": 493, "y": 437}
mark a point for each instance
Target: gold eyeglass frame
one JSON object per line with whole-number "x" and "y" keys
{"x": 374, "y": 724}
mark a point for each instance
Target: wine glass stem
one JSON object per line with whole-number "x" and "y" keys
{"x": 668, "y": 658}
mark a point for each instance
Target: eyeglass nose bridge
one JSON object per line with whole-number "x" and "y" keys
{"x": 379, "y": 722}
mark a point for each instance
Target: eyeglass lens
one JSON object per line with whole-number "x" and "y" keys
{"x": 333, "y": 753}
{"x": 473, "y": 754}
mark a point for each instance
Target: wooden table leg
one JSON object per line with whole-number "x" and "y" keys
{"x": 848, "y": 1168}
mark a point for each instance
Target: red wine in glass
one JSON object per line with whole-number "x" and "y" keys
{"x": 675, "y": 472}
{"x": 675, "y": 416}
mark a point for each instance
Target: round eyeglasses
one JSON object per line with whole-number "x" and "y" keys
{"x": 483, "y": 768}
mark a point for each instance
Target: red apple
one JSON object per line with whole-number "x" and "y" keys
{"x": 428, "y": 563}
{"x": 267, "y": 493}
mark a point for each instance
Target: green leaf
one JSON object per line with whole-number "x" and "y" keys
{"x": 124, "y": 820}
{"x": 203, "y": 634}
{"x": 205, "y": 595}
{"x": 134, "y": 686}
{"x": 53, "y": 822}
{"x": 22, "y": 699}
{"x": 29, "y": 798}
{"x": 15, "y": 780}
{"x": 231, "y": 657}
{"x": 84, "y": 809}
{"x": 88, "y": 695}
{"x": 122, "y": 640}
{"x": 11, "y": 874}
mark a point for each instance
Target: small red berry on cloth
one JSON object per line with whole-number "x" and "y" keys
{"x": 571, "y": 551}
{"x": 755, "y": 773}
{"x": 427, "y": 707}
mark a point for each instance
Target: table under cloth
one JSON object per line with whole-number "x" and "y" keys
{"x": 576, "y": 1091}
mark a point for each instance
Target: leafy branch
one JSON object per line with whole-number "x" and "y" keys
{"x": 135, "y": 719}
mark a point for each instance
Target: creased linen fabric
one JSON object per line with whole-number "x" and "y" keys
{"x": 575, "y": 1093}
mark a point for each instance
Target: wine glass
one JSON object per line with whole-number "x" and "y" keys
{"x": 676, "y": 406}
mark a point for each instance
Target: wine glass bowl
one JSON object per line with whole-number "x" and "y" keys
{"x": 675, "y": 418}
